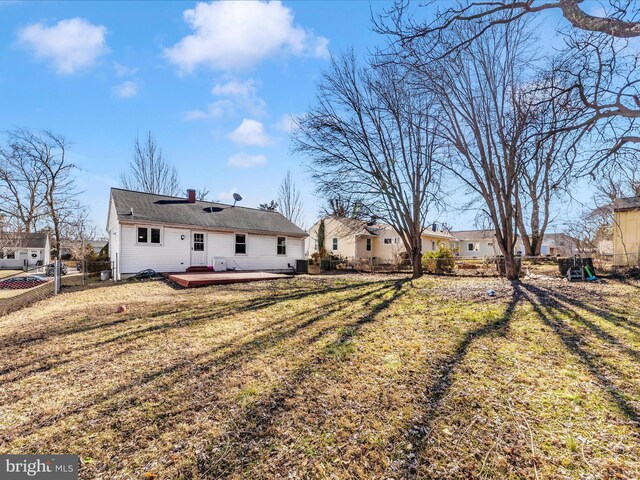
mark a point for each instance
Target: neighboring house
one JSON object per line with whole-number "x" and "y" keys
{"x": 358, "y": 240}
{"x": 19, "y": 250}
{"x": 558, "y": 245}
{"x": 97, "y": 245}
{"x": 479, "y": 243}
{"x": 482, "y": 243}
{"x": 626, "y": 231}
{"x": 171, "y": 234}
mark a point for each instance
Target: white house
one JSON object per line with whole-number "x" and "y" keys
{"x": 482, "y": 243}
{"x": 171, "y": 234}
{"x": 19, "y": 250}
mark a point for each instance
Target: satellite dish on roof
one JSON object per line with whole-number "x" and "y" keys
{"x": 236, "y": 198}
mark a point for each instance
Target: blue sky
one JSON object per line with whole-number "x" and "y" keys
{"x": 215, "y": 83}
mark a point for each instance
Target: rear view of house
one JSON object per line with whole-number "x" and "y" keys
{"x": 171, "y": 234}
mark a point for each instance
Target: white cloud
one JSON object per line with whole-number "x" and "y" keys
{"x": 126, "y": 89}
{"x": 250, "y": 132}
{"x": 71, "y": 45}
{"x": 243, "y": 160}
{"x": 123, "y": 70}
{"x": 238, "y": 35}
{"x": 244, "y": 94}
{"x": 236, "y": 96}
{"x": 287, "y": 122}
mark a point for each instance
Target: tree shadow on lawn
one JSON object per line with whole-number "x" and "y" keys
{"x": 186, "y": 317}
{"x": 551, "y": 314}
{"x": 59, "y": 330}
{"x": 619, "y": 319}
{"x": 207, "y": 363}
{"x": 240, "y": 443}
{"x": 442, "y": 379}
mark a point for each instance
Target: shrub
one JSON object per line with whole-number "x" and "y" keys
{"x": 439, "y": 261}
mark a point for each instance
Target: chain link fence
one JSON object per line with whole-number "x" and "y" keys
{"x": 20, "y": 288}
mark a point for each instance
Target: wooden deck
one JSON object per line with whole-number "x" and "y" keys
{"x": 201, "y": 279}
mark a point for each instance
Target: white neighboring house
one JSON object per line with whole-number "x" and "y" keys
{"x": 482, "y": 243}
{"x": 19, "y": 250}
{"x": 171, "y": 234}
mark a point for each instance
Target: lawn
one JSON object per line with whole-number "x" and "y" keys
{"x": 8, "y": 273}
{"x": 330, "y": 377}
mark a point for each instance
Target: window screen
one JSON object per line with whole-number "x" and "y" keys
{"x": 155, "y": 235}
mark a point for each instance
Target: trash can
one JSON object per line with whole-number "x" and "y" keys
{"x": 105, "y": 275}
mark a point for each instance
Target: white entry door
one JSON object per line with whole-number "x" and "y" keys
{"x": 198, "y": 249}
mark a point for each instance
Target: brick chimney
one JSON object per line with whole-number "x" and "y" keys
{"x": 191, "y": 195}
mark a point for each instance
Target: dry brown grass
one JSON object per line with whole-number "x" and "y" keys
{"x": 9, "y": 273}
{"x": 330, "y": 377}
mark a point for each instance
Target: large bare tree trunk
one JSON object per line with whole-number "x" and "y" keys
{"x": 372, "y": 139}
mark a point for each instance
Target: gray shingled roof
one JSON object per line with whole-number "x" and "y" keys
{"x": 630, "y": 203}
{"x": 148, "y": 207}
{"x": 463, "y": 235}
{"x": 23, "y": 240}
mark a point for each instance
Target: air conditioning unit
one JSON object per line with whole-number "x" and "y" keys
{"x": 219, "y": 264}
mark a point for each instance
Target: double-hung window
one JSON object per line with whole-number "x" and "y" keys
{"x": 282, "y": 245}
{"x": 334, "y": 246}
{"x": 368, "y": 244}
{"x": 241, "y": 244}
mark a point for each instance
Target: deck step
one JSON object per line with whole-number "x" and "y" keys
{"x": 200, "y": 269}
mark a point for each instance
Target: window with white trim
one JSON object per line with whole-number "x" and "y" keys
{"x": 368, "y": 244}
{"x": 241, "y": 244}
{"x": 282, "y": 246}
{"x": 473, "y": 247}
{"x": 149, "y": 235}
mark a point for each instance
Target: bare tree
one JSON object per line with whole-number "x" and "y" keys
{"x": 483, "y": 122}
{"x": 345, "y": 206}
{"x": 78, "y": 232}
{"x": 548, "y": 153}
{"x": 289, "y": 203}
{"x": 371, "y": 137}
{"x": 606, "y": 83}
{"x": 149, "y": 171}
{"x": 22, "y": 183}
{"x": 48, "y": 168}
{"x": 202, "y": 194}
{"x": 619, "y": 19}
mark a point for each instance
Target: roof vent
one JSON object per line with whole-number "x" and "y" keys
{"x": 132, "y": 211}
